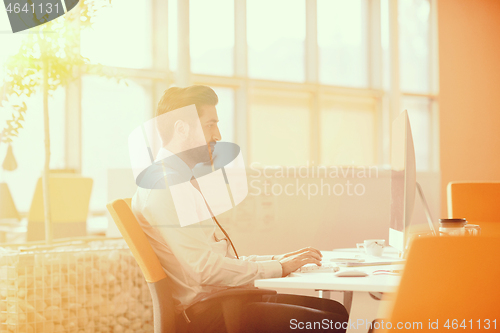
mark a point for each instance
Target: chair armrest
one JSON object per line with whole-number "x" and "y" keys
{"x": 238, "y": 292}
{"x": 232, "y": 302}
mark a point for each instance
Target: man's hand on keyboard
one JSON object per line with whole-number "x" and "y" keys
{"x": 306, "y": 249}
{"x": 290, "y": 262}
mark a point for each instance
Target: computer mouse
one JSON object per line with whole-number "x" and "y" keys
{"x": 351, "y": 273}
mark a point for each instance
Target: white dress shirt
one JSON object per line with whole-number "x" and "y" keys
{"x": 195, "y": 260}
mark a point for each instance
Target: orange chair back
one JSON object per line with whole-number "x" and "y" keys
{"x": 136, "y": 240}
{"x": 478, "y": 202}
{"x": 448, "y": 278}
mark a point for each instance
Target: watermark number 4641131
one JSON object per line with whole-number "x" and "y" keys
{"x": 26, "y": 14}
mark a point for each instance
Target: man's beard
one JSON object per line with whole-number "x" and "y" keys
{"x": 202, "y": 154}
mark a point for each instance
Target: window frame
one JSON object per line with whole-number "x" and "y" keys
{"x": 387, "y": 101}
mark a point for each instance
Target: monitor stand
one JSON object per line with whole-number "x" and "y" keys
{"x": 426, "y": 208}
{"x": 404, "y": 253}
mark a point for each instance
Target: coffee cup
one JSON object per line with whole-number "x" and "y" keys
{"x": 452, "y": 227}
{"x": 458, "y": 227}
{"x": 372, "y": 247}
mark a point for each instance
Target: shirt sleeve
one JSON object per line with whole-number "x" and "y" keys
{"x": 192, "y": 248}
{"x": 257, "y": 258}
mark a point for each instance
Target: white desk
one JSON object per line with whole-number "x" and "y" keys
{"x": 358, "y": 291}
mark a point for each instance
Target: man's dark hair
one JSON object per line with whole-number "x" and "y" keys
{"x": 175, "y": 98}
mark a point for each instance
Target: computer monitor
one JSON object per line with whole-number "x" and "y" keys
{"x": 403, "y": 180}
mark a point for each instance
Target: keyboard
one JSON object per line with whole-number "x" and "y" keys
{"x": 313, "y": 268}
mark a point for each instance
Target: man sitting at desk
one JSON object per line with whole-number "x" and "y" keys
{"x": 196, "y": 259}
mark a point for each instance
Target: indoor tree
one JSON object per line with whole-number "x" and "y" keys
{"x": 49, "y": 58}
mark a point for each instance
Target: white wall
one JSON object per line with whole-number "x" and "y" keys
{"x": 280, "y": 223}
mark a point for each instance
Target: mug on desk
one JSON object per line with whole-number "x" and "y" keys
{"x": 373, "y": 247}
{"x": 458, "y": 227}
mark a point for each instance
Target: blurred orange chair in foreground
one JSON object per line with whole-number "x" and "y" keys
{"x": 478, "y": 202}
{"x": 231, "y": 300}
{"x": 451, "y": 280}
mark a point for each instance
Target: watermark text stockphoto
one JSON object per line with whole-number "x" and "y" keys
{"x": 297, "y": 180}
{"x": 463, "y": 324}
{"x": 327, "y": 324}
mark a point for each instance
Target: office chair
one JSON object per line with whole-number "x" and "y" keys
{"x": 478, "y": 202}
{"x": 69, "y": 203}
{"x": 448, "y": 278}
{"x": 232, "y": 300}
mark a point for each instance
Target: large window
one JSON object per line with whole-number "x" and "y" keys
{"x": 29, "y": 147}
{"x": 121, "y": 35}
{"x": 419, "y": 112}
{"x": 279, "y": 127}
{"x": 414, "y": 42}
{"x": 276, "y": 34}
{"x": 342, "y": 41}
{"x": 416, "y": 77}
{"x": 299, "y": 81}
{"x": 108, "y": 108}
{"x": 225, "y": 112}
{"x": 348, "y": 131}
{"x": 211, "y": 36}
